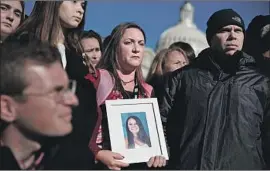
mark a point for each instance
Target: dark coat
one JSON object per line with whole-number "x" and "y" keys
{"x": 73, "y": 151}
{"x": 218, "y": 114}
{"x": 7, "y": 160}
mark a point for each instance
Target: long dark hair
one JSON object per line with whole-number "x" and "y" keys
{"x": 44, "y": 23}
{"x": 23, "y": 12}
{"x": 143, "y": 137}
{"x": 109, "y": 57}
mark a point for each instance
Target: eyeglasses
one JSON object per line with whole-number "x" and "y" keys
{"x": 59, "y": 93}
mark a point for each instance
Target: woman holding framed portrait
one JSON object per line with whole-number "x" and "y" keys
{"x": 119, "y": 76}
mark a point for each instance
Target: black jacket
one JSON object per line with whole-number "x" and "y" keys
{"x": 218, "y": 114}
{"x": 73, "y": 151}
{"x": 7, "y": 160}
{"x": 156, "y": 81}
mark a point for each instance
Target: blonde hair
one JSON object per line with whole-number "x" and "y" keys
{"x": 156, "y": 66}
{"x": 158, "y": 63}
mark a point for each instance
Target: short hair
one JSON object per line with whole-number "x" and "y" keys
{"x": 185, "y": 47}
{"x": 14, "y": 56}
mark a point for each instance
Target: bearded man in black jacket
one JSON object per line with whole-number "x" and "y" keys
{"x": 218, "y": 108}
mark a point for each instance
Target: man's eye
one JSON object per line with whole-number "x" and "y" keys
{"x": 83, "y": 5}
{"x": 18, "y": 14}
{"x": 238, "y": 31}
{"x": 59, "y": 90}
{"x": 4, "y": 8}
{"x": 224, "y": 30}
{"x": 142, "y": 43}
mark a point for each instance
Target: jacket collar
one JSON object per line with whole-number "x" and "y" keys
{"x": 221, "y": 65}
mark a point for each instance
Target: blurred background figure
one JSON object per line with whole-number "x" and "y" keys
{"x": 91, "y": 44}
{"x": 166, "y": 61}
{"x": 185, "y": 47}
{"x": 12, "y": 15}
{"x": 157, "y": 67}
{"x": 175, "y": 58}
{"x": 257, "y": 42}
{"x": 178, "y": 55}
{"x": 148, "y": 58}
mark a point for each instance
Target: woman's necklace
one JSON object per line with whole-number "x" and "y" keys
{"x": 126, "y": 82}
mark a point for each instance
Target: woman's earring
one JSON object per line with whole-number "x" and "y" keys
{"x": 84, "y": 59}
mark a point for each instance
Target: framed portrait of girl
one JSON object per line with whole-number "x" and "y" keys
{"x": 135, "y": 129}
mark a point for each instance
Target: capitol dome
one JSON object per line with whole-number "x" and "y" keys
{"x": 185, "y": 31}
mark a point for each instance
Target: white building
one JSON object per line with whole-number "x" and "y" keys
{"x": 185, "y": 31}
{"x": 148, "y": 58}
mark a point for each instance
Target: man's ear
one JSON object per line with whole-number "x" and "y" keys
{"x": 8, "y": 109}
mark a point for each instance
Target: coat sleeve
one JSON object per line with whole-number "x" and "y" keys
{"x": 95, "y": 80}
{"x": 170, "y": 119}
{"x": 266, "y": 130}
{"x": 171, "y": 85}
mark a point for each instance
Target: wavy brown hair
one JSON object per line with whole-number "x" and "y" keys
{"x": 156, "y": 66}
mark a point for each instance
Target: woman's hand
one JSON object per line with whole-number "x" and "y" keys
{"x": 157, "y": 161}
{"x": 110, "y": 158}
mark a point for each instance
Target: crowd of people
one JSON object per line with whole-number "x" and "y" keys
{"x": 56, "y": 77}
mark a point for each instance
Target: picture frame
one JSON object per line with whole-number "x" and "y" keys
{"x": 139, "y": 118}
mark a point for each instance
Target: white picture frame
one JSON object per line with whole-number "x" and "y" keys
{"x": 144, "y": 111}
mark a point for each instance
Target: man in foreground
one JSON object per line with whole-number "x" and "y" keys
{"x": 36, "y": 101}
